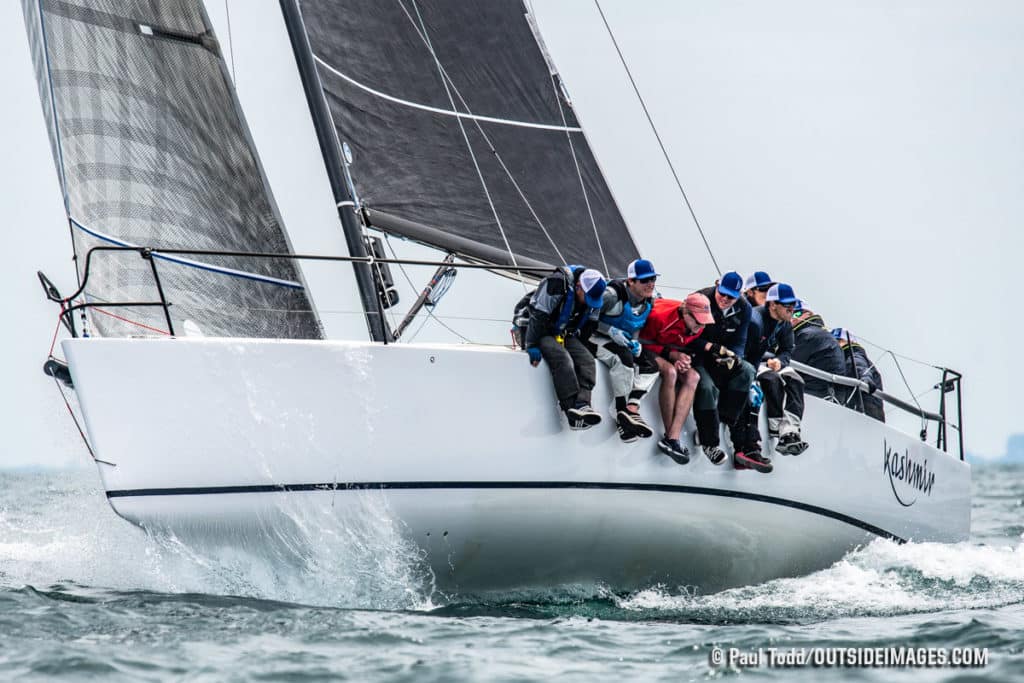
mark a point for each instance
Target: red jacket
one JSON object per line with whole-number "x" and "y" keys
{"x": 665, "y": 330}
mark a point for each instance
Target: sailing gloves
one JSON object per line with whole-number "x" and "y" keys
{"x": 618, "y": 336}
{"x": 756, "y": 396}
{"x": 534, "y": 353}
{"x": 726, "y": 358}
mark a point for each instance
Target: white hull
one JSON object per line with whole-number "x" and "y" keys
{"x": 467, "y": 452}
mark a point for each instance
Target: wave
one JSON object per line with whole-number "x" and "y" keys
{"x": 58, "y": 531}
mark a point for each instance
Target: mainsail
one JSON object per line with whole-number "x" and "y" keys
{"x": 459, "y": 123}
{"x": 153, "y": 151}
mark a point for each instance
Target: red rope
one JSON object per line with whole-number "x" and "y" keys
{"x": 56, "y": 330}
{"x": 131, "y": 322}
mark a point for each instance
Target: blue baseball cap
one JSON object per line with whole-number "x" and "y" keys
{"x": 593, "y": 284}
{"x": 782, "y": 293}
{"x": 731, "y": 284}
{"x": 641, "y": 269}
{"x": 758, "y": 279}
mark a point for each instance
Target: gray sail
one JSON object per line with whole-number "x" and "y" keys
{"x": 459, "y": 123}
{"x": 152, "y": 150}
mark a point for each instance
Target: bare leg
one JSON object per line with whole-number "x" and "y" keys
{"x": 683, "y": 403}
{"x": 667, "y": 393}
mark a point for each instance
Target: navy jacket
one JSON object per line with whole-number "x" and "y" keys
{"x": 766, "y": 335}
{"x": 815, "y": 346}
{"x": 730, "y": 327}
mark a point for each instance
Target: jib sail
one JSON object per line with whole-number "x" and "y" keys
{"x": 152, "y": 150}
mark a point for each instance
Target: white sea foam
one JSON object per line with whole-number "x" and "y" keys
{"x": 881, "y": 579}
{"x": 356, "y": 557}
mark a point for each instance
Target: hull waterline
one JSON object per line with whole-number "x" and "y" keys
{"x": 463, "y": 450}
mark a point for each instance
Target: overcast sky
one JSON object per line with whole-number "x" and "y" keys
{"x": 869, "y": 152}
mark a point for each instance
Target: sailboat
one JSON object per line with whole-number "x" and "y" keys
{"x": 220, "y": 394}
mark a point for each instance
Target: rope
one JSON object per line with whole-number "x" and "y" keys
{"x": 81, "y": 433}
{"x": 131, "y": 322}
{"x": 56, "y": 330}
{"x": 661, "y": 144}
{"x": 449, "y": 86}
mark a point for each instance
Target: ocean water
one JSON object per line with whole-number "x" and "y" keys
{"x": 84, "y": 595}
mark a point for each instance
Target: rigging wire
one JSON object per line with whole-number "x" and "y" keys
{"x": 450, "y": 86}
{"x": 465, "y": 137}
{"x": 657, "y": 136}
{"x": 900, "y": 355}
{"x": 575, "y": 159}
{"x": 429, "y": 310}
{"x": 924, "y": 422}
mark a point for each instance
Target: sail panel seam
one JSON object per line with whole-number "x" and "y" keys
{"x": 222, "y": 270}
{"x": 465, "y": 137}
{"x": 447, "y": 81}
{"x": 445, "y": 112}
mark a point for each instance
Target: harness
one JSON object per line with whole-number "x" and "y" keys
{"x": 628, "y": 321}
{"x": 571, "y": 275}
{"x": 807, "y": 318}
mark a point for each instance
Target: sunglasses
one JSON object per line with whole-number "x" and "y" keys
{"x": 647, "y": 280}
{"x": 763, "y": 290}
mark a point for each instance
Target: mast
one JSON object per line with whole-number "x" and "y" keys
{"x": 331, "y": 151}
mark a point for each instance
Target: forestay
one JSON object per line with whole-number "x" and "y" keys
{"x": 152, "y": 150}
{"x": 459, "y": 122}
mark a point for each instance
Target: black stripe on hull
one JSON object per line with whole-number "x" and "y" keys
{"x": 422, "y": 485}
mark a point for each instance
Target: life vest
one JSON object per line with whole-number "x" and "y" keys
{"x": 627, "y": 321}
{"x": 521, "y": 312}
{"x": 571, "y": 275}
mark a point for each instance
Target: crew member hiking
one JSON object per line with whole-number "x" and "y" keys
{"x": 672, "y": 333}
{"x": 562, "y": 313}
{"x": 632, "y": 370}
{"x": 725, "y": 378}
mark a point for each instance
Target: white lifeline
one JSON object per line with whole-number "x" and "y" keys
{"x": 471, "y": 457}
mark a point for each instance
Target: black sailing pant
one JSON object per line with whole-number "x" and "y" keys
{"x": 721, "y": 396}
{"x": 573, "y": 369}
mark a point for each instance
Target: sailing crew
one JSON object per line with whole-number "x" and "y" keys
{"x": 860, "y": 366}
{"x": 633, "y": 370}
{"x": 672, "y": 333}
{"x": 725, "y": 378}
{"x": 756, "y": 287}
{"x": 816, "y": 347}
{"x": 562, "y": 314}
{"x": 783, "y": 387}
